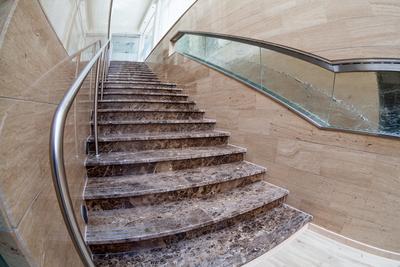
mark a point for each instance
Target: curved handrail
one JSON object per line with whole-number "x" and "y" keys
{"x": 337, "y": 66}
{"x": 57, "y": 156}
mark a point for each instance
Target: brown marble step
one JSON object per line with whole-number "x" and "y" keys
{"x": 154, "y": 161}
{"x": 106, "y": 193}
{"x": 145, "y": 96}
{"x": 149, "y": 114}
{"x": 152, "y": 141}
{"x": 132, "y": 79}
{"x": 146, "y": 126}
{"x": 142, "y": 90}
{"x": 228, "y": 247}
{"x": 121, "y": 229}
{"x": 131, "y": 73}
{"x": 142, "y": 76}
{"x": 143, "y": 86}
{"x": 138, "y": 67}
{"x": 146, "y": 104}
{"x": 145, "y": 83}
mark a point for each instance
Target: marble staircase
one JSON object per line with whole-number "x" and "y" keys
{"x": 167, "y": 188}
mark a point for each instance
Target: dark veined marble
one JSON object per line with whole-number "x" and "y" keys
{"x": 167, "y": 189}
{"x": 230, "y": 246}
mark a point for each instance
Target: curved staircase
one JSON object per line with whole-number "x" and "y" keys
{"x": 168, "y": 189}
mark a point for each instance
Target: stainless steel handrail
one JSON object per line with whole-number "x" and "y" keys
{"x": 337, "y": 66}
{"x": 57, "y": 153}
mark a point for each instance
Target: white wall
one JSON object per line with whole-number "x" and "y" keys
{"x": 160, "y": 17}
{"x": 77, "y": 23}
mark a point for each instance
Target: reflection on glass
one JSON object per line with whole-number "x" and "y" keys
{"x": 357, "y": 101}
{"x": 302, "y": 85}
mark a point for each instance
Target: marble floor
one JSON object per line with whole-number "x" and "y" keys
{"x": 308, "y": 248}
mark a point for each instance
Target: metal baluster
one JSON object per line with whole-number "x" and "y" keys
{"x": 96, "y": 97}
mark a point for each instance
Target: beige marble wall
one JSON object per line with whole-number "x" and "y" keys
{"x": 34, "y": 75}
{"x": 332, "y": 29}
{"x": 349, "y": 183}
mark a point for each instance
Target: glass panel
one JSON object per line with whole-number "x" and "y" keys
{"x": 357, "y": 101}
{"x": 367, "y": 101}
{"x": 302, "y": 85}
{"x": 238, "y": 59}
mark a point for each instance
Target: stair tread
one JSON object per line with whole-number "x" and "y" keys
{"x": 145, "y": 101}
{"x": 150, "y": 156}
{"x": 149, "y": 110}
{"x": 230, "y": 246}
{"x": 159, "y": 136}
{"x": 168, "y": 218}
{"x": 139, "y": 185}
{"x": 108, "y": 122}
{"x": 133, "y": 82}
{"x": 144, "y": 93}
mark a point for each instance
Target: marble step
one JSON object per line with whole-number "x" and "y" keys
{"x": 132, "y": 75}
{"x": 126, "y": 67}
{"x": 142, "y": 90}
{"x": 146, "y": 126}
{"x": 143, "y": 86}
{"x": 126, "y": 229}
{"x": 154, "y": 161}
{"x": 164, "y": 84}
{"x": 127, "y": 70}
{"x": 146, "y": 104}
{"x": 232, "y": 246}
{"x": 133, "y": 78}
{"x": 144, "y": 96}
{"x": 143, "y": 74}
{"x": 152, "y": 141}
{"x": 149, "y": 114}
{"x": 106, "y": 193}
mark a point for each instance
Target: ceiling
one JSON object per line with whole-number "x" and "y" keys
{"x": 126, "y": 17}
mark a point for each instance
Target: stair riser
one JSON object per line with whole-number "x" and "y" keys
{"x": 132, "y": 75}
{"x": 130, "y": 68}
{"x": 162, "y": 115}
{"x": 133, "y": 87}
{"x": 134, "y": 71}
{"x": 142, "y": 91}
{"x": 144, "y": 97}
{"x": 173, "y": 238}
{"x": 153, "y": 199}
{"x": 151, "y": 128}
{"x": 146, "y": 79}
{"x": 138, "y": 106}
{"x": 133, "y": 146}
{"x": 140, "y": 84}
{"x": 156, "y": 167}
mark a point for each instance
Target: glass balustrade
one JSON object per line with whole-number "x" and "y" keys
{"x": 359, "y": 101}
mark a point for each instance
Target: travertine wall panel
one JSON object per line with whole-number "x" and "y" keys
{"x": 332, "y": 29}
{"x": 32, "y": 81}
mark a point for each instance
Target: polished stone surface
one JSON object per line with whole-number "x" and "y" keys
{"x": 139, "y": 185}
{"x": 146, "y": 126}
{"x": 160, "y": 155}
{"x": 230, "y": 246}
{"x": 168, "y": 218}
{"x": 151, "y": 141}
{"x": 165, "y": 179}
{"x": 149, "y": 114}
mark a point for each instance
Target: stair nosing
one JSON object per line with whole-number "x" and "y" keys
{"x": 259, "y": 170}
{"x": 283, "y": 193}
{"x": 139, "y": 122}
{"x": 151, "y": 110}
{"x": 145, "y": 101}
{"x": 159, "y": 136}
{"x": 92, "y": 162}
